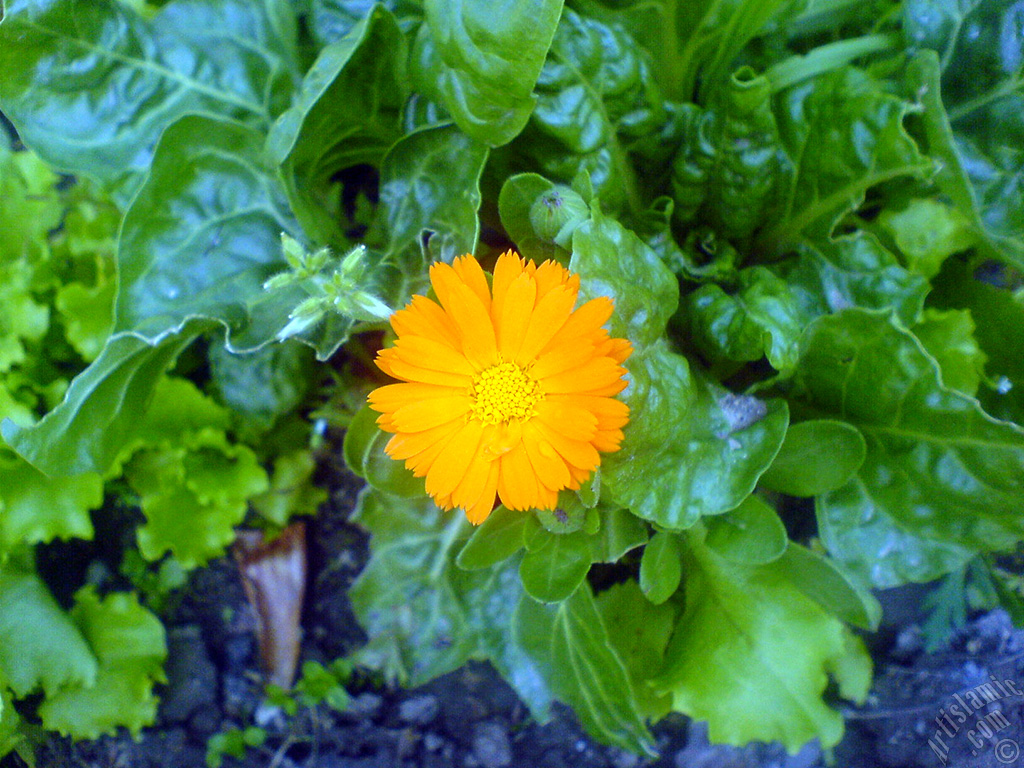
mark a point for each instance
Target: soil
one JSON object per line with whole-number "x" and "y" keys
{"x": 472, "y": 719}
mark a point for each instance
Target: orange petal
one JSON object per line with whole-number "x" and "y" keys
{"x": 480, "y": 509}
{"x": 424, "y": 414}
{"x": 450, "y": 467}
{"x": 546, "y": 462}
{"x": 608, "y": 441}
{"x": 548, "y": 317}
{"x": 585, "y": 320}
{"x": 610, "y": 413}
{"x": 596, "y": 374}
{"x": 517, "y": 483}
{"x": 401, "y": 369}
{"x": 428, "y": 353}
{"x": 476, "y": 330}
{"x": 515, "y": 315}
{"x": 472, "y": 274}
{"x": 563, "y": 358}
{"x": 473, "y": 482}
{"x": 571, "y": 420}
{"x": 408, "y": 444}
{"x": 550, "y": 274}
{"x": 508, "y": 267}
{"x": 577, "y": 453}
{"x": 423, "y": 317}
{"x": 391, "y": 397}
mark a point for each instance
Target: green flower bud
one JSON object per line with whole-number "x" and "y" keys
{"x": 555, "y": 214}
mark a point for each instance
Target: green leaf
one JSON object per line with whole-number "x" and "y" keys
{"x": 193, "y": 495}
{"x": 843, "y": 133}
{"x": 364, "y": 454}
{"x": 346, "y": 112}
{"x": 639, "y": 633}
{"x": 948, "y": 336}
{"x": 202, "y": 236}
{"x": 999, "y": 329}
{"x": 103, "y": 406}
{"x": 691, "y": 448}
{"x": 730, "y": 160}
{"x": 620, "y": 532}
{"x": 527, "y": 201}
{"x": 817, "y": 456}
{"x": 927, "y": 232}
{"x": 595, "y": 96}
{"x": 762, "y": 319}
{"x": 91, "y": 87}
{"x": 972, "y": 115}
{"x": 35, "y": 508}
{"x": 752, "y": 618}
{"x": 751, "y": 534}
{"x": 331, "y": 20}
{"x": 264, "y": 385}
{"x": 571, "y": 648}
{"x": 612, "y": 261}
{"x": 291, "y": 491}
{"x": 852, "y": 271}
{"x": 661, "y": 567}
{"x": 822, "y": 581}
{"x": 130, "y": 645}
{"x": 497, "y": 538}
{"x": 40, "y": 646}
{"x": 553, "y": 572}
{"x": 940, "y": 476}
{"x": 482, "y": 61}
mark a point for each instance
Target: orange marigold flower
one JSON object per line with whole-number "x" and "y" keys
{"x": 506, "y": 389}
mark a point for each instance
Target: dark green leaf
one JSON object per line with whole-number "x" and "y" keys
{"x": 482, "y": 62}
{"x": 843, "y": 134}
{"x": 817, "y": 456}
{"x": 940, "y": 477}
{"x": 497, "y": 538}
{"x": 364, "y": 454}
{"x": 620, "y": 532}
{"x": 347, "y": 112}
{"x": 661, "y": 567}
{"x": 263, "y": 385}
{"x": 692, "y": 448}
{"x": 333, "y": 19}
{"x": 92, "y": 86}
{"x": 751, "y": 534}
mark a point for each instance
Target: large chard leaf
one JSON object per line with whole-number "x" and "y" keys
{"x": 842, "y": 134}
{"x": 346, "y": 112}
{"x": 941, "y": 479}
{"x": 130, "y": 645}
{"x": 972, "y": 91}
{"x": 692, "y": 448}
{"x": 481, "y": 60}
{"x": 595, "y": 96}
{"x": 91, "y": 86}
{"x": 426, "y": 616}
{"x": 331, "y": 20}
{"x": 752, "y": 654}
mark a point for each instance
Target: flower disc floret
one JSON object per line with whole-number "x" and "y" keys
{"x": 506, "y": 390}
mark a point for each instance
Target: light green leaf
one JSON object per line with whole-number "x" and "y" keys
{"x": 620, "y": 532}
{"x": 528, "y": 200}
{"x": 751, "y": 534}
{"x": 817, "y": 456}
{"x": 103, "y": 406}
{"x": 753, "y": 619}
{"x": 64, "y": 63}
{"x": 639, "y": 632}
{"x": 129, "y": 642}
{"x": 661, "y": 567}
{"x": 941, "y": 478}
{"x": 571, "y": 648}
{"x": 692, "y": 448}
{"x": 948, "y": 336}
{"x": 40, "y": 646}
{"x": 927, "y": 232}
{"x": 346, "y": 113}
{"x": 551, "y": 573}
{"x": 291, "y": 491}
{"x": 331, "y": 20}
{"x": 35, "y": 508}
{"x": 482, "y": 61}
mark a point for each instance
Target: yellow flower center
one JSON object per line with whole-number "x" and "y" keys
{"x": 504, "y": 392}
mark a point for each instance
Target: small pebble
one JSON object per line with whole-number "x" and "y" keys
{"x": 419, "y": 710}
{"x": 491, "y": 746}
